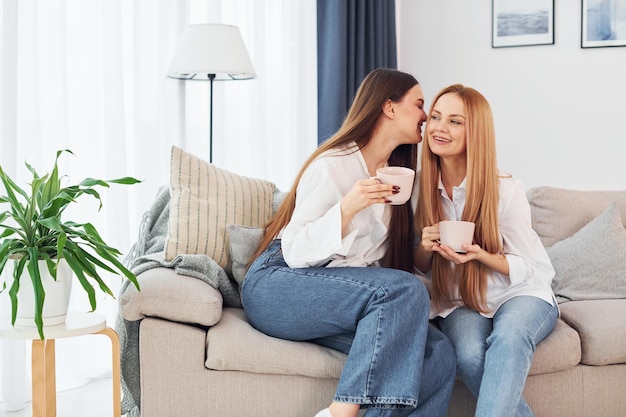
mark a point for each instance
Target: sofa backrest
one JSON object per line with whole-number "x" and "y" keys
{"x": 559, "y": 213}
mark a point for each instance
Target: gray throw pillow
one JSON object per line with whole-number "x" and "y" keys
{"x": 591, "y": 264}
{"x": 243, "y": 242}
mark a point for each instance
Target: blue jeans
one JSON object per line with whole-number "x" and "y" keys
{"x": 494, "y": 355}
{"x": 397, "y": 364}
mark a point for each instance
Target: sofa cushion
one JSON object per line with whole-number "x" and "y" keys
{"x": 601, "y": 325}
{"x": 244, "y": 241}
{"x": 171, "y": 296}
{"x": 591, "y": 263}
{"x": 204, "y": 200}
{"x": 558, "y": 213}
{"x": 234, "y": 345}
{"x": 560, "y": 350}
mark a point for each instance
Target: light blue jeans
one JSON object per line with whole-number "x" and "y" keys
{"x": 494, "y": 355}
{"x": 397, "y": 365}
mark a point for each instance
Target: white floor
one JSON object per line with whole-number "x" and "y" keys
{"x": 93, "y": 400}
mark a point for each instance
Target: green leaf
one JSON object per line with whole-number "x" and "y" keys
{"x": 10, "y": 186}
{"x": 53, "y": 185}
{"x": 78, "y": 271}
{"x": 90, "y": 182}
{"x": 125, "y": 181}
{"x": 40, "y": 294}
{"x": 51, "y": 223}
{"x": 37, "y": 195}
{"x": 95, "y": 194}
{"x": 61, "y": 243}
{"x": 15, "y": 287}
{"x": 83, "y": 258}
{"x": 57, "y": 204}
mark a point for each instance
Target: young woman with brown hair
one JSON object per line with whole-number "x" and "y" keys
{"x": 335, "y": 264}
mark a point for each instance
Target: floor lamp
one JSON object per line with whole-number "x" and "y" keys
{"x": 211, "y": 52}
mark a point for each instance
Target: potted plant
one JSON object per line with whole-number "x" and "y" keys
{"x": 33, "y": 236}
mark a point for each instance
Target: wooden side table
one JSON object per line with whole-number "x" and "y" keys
{"x": 43, "y": 356}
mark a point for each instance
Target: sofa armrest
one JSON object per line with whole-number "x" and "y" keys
{"x": 171, "y": 296}
{"x": 601, "y": 325}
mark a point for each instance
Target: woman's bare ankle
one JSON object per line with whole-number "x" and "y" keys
{"x": 338, "y": 409}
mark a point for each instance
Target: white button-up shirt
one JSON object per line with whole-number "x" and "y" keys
{"x": 530, "y": 269}
{"x": 313, "y": 237}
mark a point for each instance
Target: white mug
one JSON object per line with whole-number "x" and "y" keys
{"x": 402, "y": 177}
{"x": 456, "y": 233}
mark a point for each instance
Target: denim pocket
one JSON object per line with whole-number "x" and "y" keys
{"x": 273, "y": 255}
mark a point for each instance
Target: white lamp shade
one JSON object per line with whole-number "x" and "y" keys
{"x": 211, "y": 49}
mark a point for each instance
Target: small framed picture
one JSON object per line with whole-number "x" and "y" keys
{"x": 603, "y": 23}
{"x": 522, "y": 23}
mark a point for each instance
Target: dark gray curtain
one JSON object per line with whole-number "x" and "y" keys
{"x": 354, "y": 37}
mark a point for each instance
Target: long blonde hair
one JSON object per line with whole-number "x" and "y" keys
{"x": 378, "y": 86}
{"x": 481, "y": 206}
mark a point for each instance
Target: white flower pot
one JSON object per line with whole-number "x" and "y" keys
{"x": 57, "y": 297}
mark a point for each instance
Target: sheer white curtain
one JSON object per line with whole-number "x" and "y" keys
{"x": 90, "y": 76}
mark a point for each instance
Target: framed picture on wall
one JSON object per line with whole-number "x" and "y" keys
{"x": 603, "y": 23}
{"x": 522, "y": 23}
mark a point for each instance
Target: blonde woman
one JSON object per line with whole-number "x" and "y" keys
{"x": 494, "y": 302}
{"x": 335, "y": 266}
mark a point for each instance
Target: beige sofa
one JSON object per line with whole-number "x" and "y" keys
{"x": 199, "y": 359}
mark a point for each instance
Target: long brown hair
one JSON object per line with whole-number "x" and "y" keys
{"x": 481, "y": 206}
{"x": 378, "y": 86}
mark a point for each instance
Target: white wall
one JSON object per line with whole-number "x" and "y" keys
{"x": 560, "y": 110}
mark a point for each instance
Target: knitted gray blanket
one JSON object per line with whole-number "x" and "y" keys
{"x": 147, "y": 253}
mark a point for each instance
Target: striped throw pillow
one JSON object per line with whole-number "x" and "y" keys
{"x": 204, "y": 200}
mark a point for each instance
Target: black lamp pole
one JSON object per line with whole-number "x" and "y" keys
{"x": 211, "y": 78}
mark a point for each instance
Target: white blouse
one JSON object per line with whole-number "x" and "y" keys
{"x": 313, "y": 236}
{"x": 530, "y": 269}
